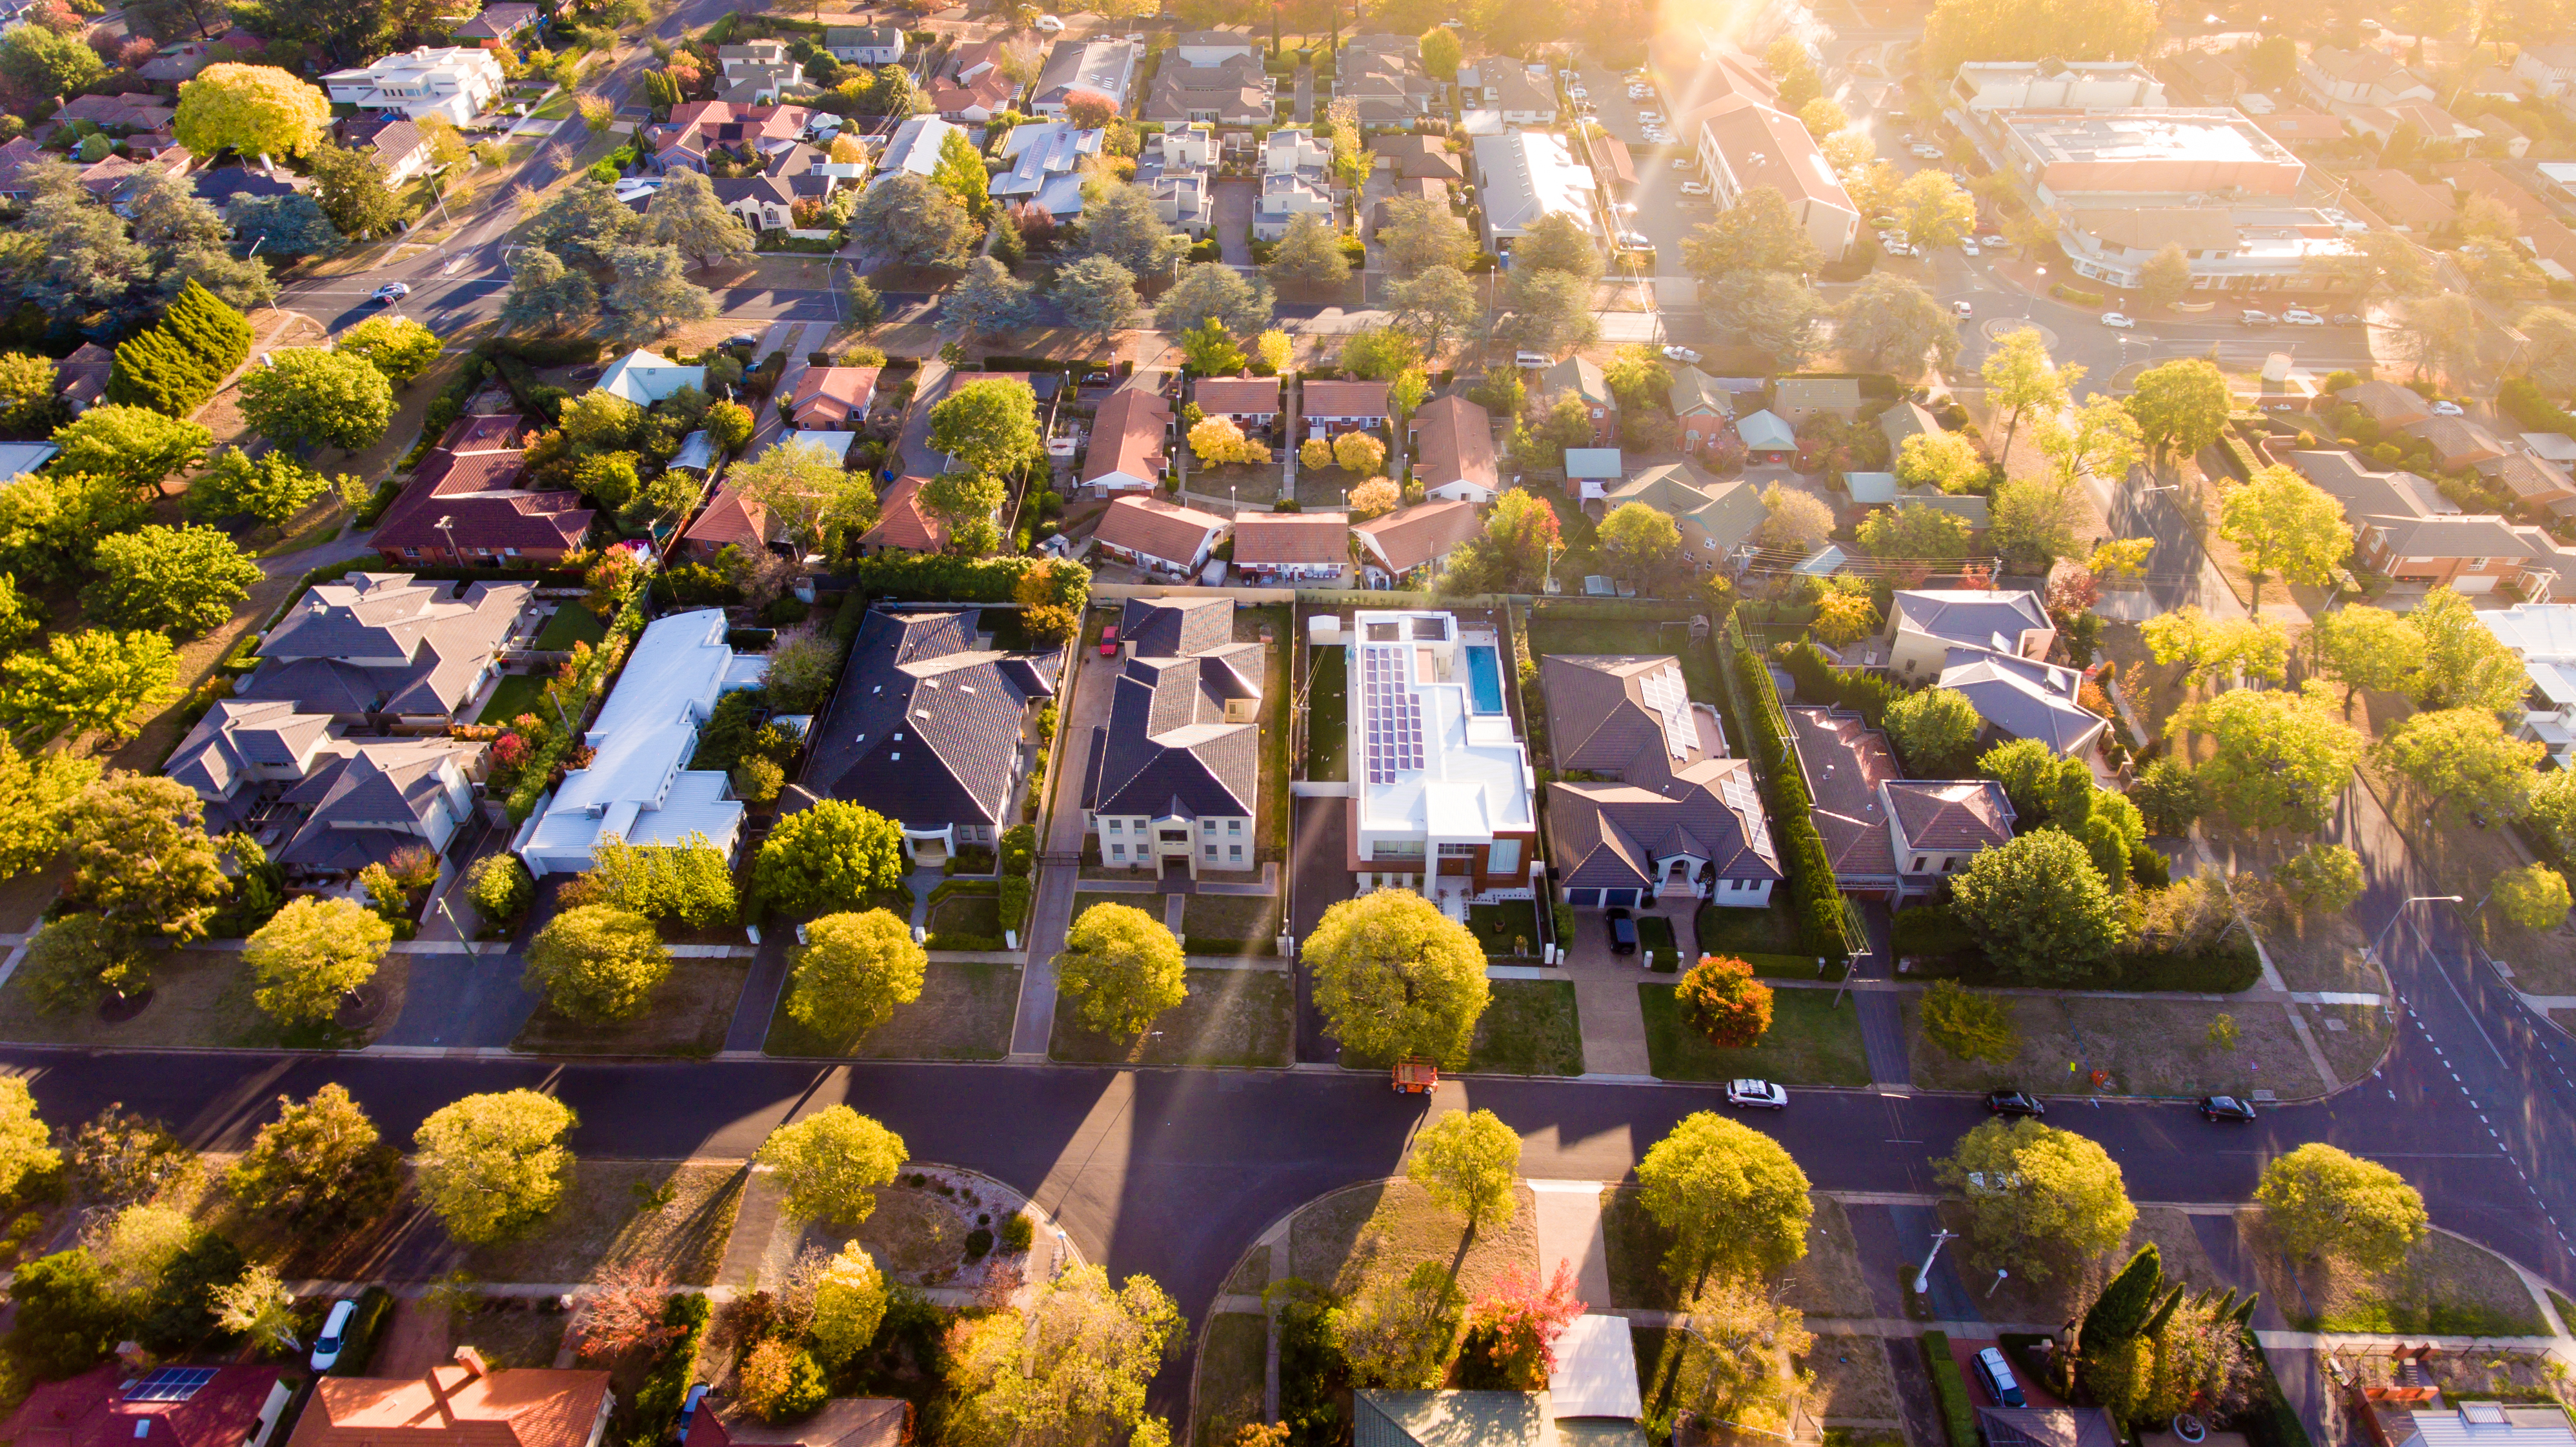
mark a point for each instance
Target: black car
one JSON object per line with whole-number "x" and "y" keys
{"x": 2225, "y": 1107}
{"x": 1623, "y": 932}
{"x": 2014, "y": 1102}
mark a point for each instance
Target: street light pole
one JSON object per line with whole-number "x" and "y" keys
{"x": 1923, "y": 1276}
{"x": 2400, "y": 913}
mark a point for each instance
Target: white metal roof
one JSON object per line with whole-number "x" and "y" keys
{"x": 1596, "y": 1370}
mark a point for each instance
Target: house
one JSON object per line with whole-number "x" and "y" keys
{"x": 465, "y": 506}
{"x": 1592, "y": 1384}
{"x": 743, "y": 132}
{"x": 1382, "y": 76}
{"x": 506, "y": 1407}
{"x": 1411, "y": 546}
{"x": 383, "y": 646}
{"x": 1889, "y": 837}
{"x": 915, "y": 145}
{"x": 2406, "y": 530}
{"x": 731, "y": 520}
{"x": 1799, "y": 398}
{"x": 1526, "y": 175}
{"x": 971, "y": 87}
{"x": 2388, "y": 404}
{"x": 2300, "y": 127}
{"x": 1881, "y": 489}
{"x": 1212, "y": 47}
{"x": 1580, "y": 377}
{"x": 2468, "y": 178}
{"x": 1428, "y": 188}
{"x": 1746, "y": 146}
{"x": 2543, "y": 636}
{"x": 2432, "y": 124}
{"x": 1925, "y": 624}
{"x": 865, "y": 44}
{"x": 932, "y": 729}
{"x": 2359, "y": 77}
{"x": 1453, "y": 458}
{"x": 1766, "y": 438}
{"x": 1046, "y": 167}
{"x": 903, "y": 524}
{"x": 2540, "y": 486}
{"x": 2024, "y": 698}
{"x": 1158, "y": 535}
{"x": 455, "y": 82}
{"x": 766, "y": 200}
{"x": 1440, "y": 783}
{"x": 1128, "y": 436}
{"x": 399, "y": 148}
{"x": 1663, "y": 808}
{"x": 497, "y": 25}
{"x": 1236, "y": 91}
{"x": 16, "y": 157}
{"x": 1296, "y": 180}
{"x": 1276, "y": 547}
{"x": 2549, "y": 70}
{"x": 1521, "y": 100}
{"x": 2401, "y": 1417}
{"x": 2458, "y": 442}
{"x": 833, "y": 397}
{"x": 1450, "y": 1419}
{"x": 638, "y": 787}
{"x": 1415, "y": 158}
{"x": 80, "y": 379}
{"x": 1251, "y": 403}
{"x": 1333, "y": 408}
{"x": 1593, "y": 469}
{"x": 1907, "y": 418}
{"x": 1705, "y": 410}
{"x": 374, "y": 800}
{"x": 759, "y": 73}
{"x": 644, "y": 378}
{"x": 114, "y": 1405}
{"x": 1105, "y": 68}
{"x": 118, "y": 112}
{"x": 1179, "y": 170}
{"x": 1174, "y": 775}
{"x": 2405, "y": 203}
{"x": 1715, "y": 518}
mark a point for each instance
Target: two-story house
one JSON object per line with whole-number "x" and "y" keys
{"x": 384, "y": 647}
{"x": 455, "y": 82}
{"x": 2404, "y": 529}
{"x": 1661, "y": 808}
{"x": 1925, "y": 624}
{"x": 1889, "y": 837}
{"x": 1173, "y": 778}
{"x": 1580, "y": 377}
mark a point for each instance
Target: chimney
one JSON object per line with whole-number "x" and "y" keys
{"x": 472, "y": 1361}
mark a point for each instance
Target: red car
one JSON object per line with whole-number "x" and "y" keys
{"x": 1109, "y": 640}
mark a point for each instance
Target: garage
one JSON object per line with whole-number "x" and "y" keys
{"x": 1619, "y": 898}
{"x": 2474, "y": 582}
{"x": 1583, "y": 898}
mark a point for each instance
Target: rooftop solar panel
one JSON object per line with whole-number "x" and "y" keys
{"x": 170, "y": 1384}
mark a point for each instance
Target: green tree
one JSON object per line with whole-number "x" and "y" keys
{"x": 1122, "y": 222}
{"x": 34, "y": 793}
{"x": 1949, "y": 461}
{"x": 1822, "y": 117}
{"x": 804, "y": 487}
{"x": 2098, "y": 436}
{"x": 1441, "y": 52}
{"x": 1209, "y": 350}
{"x": 1212, "y": 289}
{"x": 308, "y": 395}
{"x": 257, "y": 110}
{"x": 2164, "y": 279}
{"x": 547, "y": 296}
{"x": 2534, "y": 896}
{"x": 1400, "y": 1335}
{"x": 2021, "y": 378}
{"x": 831, "y": 1162}
{"x": 399, "y": 347}
{"x": 2218, "y": 647}
{"x": 960, "y": 173}
{"x": 2322, "y": 878}
{"x": 134, "y": 445}
{"x": 182, "y": 581}
{"x": 2463, "y": 761}
{"x": 962, "y": 499}
{"x": 1889, "y": 324}
{"x": 1793, "y": 520}
{"x": 1550, "y": 310}
{"x": 24, "y": 1148}
{"x": 2551, "y": 808}
{"x": 1915, "y": 531}
{"x": 2439, "y": 334}
{"x": 352, "y": 191}
{"x": 1073, "y": 1368}
{"x": 652, "y": 294}
{"x": 1773, "y": 311}
{"x": 834, "y": 856}
{"x": 2180, "y": 405}
{"x": 1965, "y": 30}
{"x": 290, "y": 225}
{"x": 686, "y": 216}
{"x": 1934, "y": 211}
{"x": 1730, "y": 1198}
{"x": 93, "y": 679}
{"x": 1468, "y": 1161}
{"x": 1720, "y": 999}
{"x": 2043, "y": 1199}
{"x": 26, "y": 390}
{"x": 2465, "y": 664}
{"x": 1757, "y": 233}
{"x": 493, "y": 1164}
{"x": 854, "y": 968}
{"x": 2043, "y": 913}
{"x": 990, "y": 427}
{"x": 1436, "y": 306}
{"x": 1308, "y": 255}
{"x": 1643, "y": 540}
{"x": 1420, "y": 234}
{"x": 311, "y": 954}
{"x": 2279, "y": 757}
{"x": 691, "y": 881}
{"x": 1935, "y": 731}
{"x": 271, "y": 487}
{"x": 2285, "y": 525}
{"x": 322, "y": 1160}
{"x": 2378, "y": 264}
{"x": 66, "y": 1320}
{"x": 1122, "y": 966}
{"x": 37, "y": 61}
{"x": 2365, "y": 648}
{"x": 597, "y": 962}
{"x": 849, "y": 1304}
{"x": 1396, "y": 978}
{"x": 2550, "y": 358}
{"x": 2324, "y": 1202}
{"x": 915, "y": 221}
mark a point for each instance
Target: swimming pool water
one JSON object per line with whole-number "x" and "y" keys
{"x": 1485, "y": 679}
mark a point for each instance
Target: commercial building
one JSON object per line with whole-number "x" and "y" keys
{"x": 1745, "y": 146}
{"x": 1526, "y": 175}
{"x": 2145, "y": 157}
{"x": 1982, "y": 88}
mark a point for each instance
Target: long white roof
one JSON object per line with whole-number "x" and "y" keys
{"x": 1467, "y": 778}
{"x": 2545, "y": 635}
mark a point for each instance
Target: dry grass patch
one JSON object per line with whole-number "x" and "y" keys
{"x": 1233, "y": 1379}
{"x": 201, "y": 999}
{"x": 513, "y": 1331}
{"x": 1250, "y": 1276}
{"x": 1827, "y": 1282}
{"x": 688, "y": 1016}
{"x": 1231, "y": 1017}
{"x": 2356, "y": 1048}
{"x": 920, "y": 1234}
{"x": 2323, "y": 952}
{"x": 2156, "y": 1047}
{"x": 2447, "y": 1286}
{"x": 1852, "y": 1382}
{"x": 1386, "y": 1228}
{"x": 964, "y": 1013}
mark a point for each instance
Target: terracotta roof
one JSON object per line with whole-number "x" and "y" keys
{"x": 2457, "y": 441}
{"x": 1127, "y": 436}
{"x": 2479, "y": 177}
{"x": 1282, "y": 538}
{"x": 1845, "y": 762}
{"x": 455, "y": 1407}
{"x": 1419, "y": 156}
{"x": 2287, "y": 126}
{"x": 2358, "y": 67}
{"x": 1157, "y": 529}
{"x": 2403, "y": 200}
{"x": 833, "y": 394}
{"x": 731, "y": 519}
{"x": 1344, "y": 399}
{"x": 477, "y": 491}
{"x": 1410, "y": 537}
{"x": 492, "y": 432}
{"x": 94, "y": 1410}
{"x": 1457, "y": 439}
{"x": 901, "y": 522}
{"x": 1238, "y": 396}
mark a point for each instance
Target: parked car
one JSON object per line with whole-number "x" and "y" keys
{"x": 335, "y": 1335}
{"x": 2225, "y": 1107}
{"x": 391, "y": 291}
{"x": 1756, "y": 1095}
{"x": 1967, "y": 246}
{"x": 2252, "y": 318}
{"x": 2014, "y": 1102}
{"x": 1927, "y": 153}
{"x": 1623, "y": 932}
{"x": 1694, "y": 188}
{"x": 689, "y": 1408}
{"x": 1050, "y": 25}
{"x": 2447, "y": 409}
{"x": 743, "y": 339}
{"x": 1109, "y": 640}
{"x": 1992, "y": 241}
{"x": 2347, "y": 319}
{"x": 1531, "y": 359}
{"x": 1996, "y": 1375}
{"x": 2117, "y": 322}
{"x": 2300, "y": 317}
{"x": 1963, "y": 309}
{"x": 1680, "y": 354}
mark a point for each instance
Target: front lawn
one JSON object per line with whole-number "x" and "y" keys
{"x": 199, "y": 999}
{"x": 1529, "y": 1028}
{"x": 2143, "y": 1047}
{"x": 1507, "y": 930}
{"x": 1231, "y": 924}
{"x": 1809, "y": 1043}
{"x": 688, "y": 1016}
{"x": 1747, "y": 932}
{"x": 1655, "y": 937}
{"x": 1233, "y": 1374}
{"x": 964, "y": 1013}
{"x": 1327, "y": 716}
{"x": 1231, "y": 1017}
{"x": 966, "y": 920}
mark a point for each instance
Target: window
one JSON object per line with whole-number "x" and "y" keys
{"x": 1233, "y": 826}
{"x": 1211, "y": 851}
{"x": 1949, "y": 862}
{"x": 1918, "y": 865}
{"x": 1117, "y": 826}
{"x": 1207, "y": 826}
{"x": 1117, "y": 851}
{"x": 1503, "y": 857}
{"x": 1234, "y": 851}
{"x": 1457, "y": 851}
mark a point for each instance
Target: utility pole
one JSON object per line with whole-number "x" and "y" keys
{"x": 1923, "y": 1276}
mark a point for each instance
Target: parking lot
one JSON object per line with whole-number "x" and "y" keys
{"x": 1663, "y": 213}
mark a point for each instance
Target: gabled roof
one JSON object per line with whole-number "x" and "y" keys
{"x": 1958, "y": 814}
{"x": 455, "y": 1407}
{"x": 1344, "y": 399}
{"x": 838, "y": 392}
{"x": 1457, "y": 441}
{"x": 381, "y": 643}
{"x": 1845, "y": 761}
{"x": 2365, "y": 492}
{"x": 1612, "y": 834}
{"x": 1447, "y": 1419}
{"x": 2403, "y": 200}
{"x": 1817, "y": 392}
{"x": 1907, "y": 419}
{"x": 368, "y": 803}
{"x": 1167, "y": 749}
{"x": 2387, "y": 403}
{"x": 2047, "y": 1427}
{"x": 1238, "y": 396}
{"x": 1156, "y": 528}
{"x": 1581, "y": 376}
{"x": 1410, "y": 537}
{"x": 95, "y": 1409}
{"x": 2023, "y": 698}
{"x": 1288, "y": 539}
{"x": 1605, "y": 711}
{"x": 1418, "y": 156}
{"x": 903, "y": 523}
{"x": 1176, "y": 627}
{"x": 498, "y": 21}
{"x": 925, "y": 729}
{"x": 1127, "y": 436}
{"x": 2457, "y": 441}
{"x": 644, "y": 378}
{"x": 731, "y": 520}
{"x": 1695, "y": 393}
{"x": 1714, "y": 517}
{"x": 239, "y": 737}
{"x": 1971, "y": 617}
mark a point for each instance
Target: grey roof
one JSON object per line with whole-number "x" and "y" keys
{"x": 1167, "y": 749}
{"x": 1844, "y": 761}
{"x": 2047, "y": 1427}
{"x": 925, "y": 729}
{"x": 1599, "y": 717}
{"x": 1964, "y": 815}
{"x": 1446, "y": 1419}
{"x": 1904, "y": 420}
{"x": 1103, "y": 67}
{"x": 1612, "y": 834}
{"x": 1713, "y": 516}
{"x": 238, "y": 736}
{"x": 1175, "y": 627}
{"x": 381, "y": 643}
{"x": 1969, "y": 616}
{"x": 381, "y": 782}
{"x": 2367, "y": 493}
{"x": 2023, "y": 698}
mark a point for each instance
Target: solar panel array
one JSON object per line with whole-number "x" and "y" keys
{"x": 1665, "y": 693}
{"x": 170, "y": 1384}
{"x": 1390, "y": 715}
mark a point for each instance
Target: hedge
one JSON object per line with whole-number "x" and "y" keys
{"x": 1015, "y": 901}
{"x": 2270, "y": 1421}
{"x": 658, "y": 1400}
{"x": 175, "y": 366}
{"x": 944, "y": 578}
{"x": 1865, "y": 693}
{"x": 2533, "y": 409}
{"x": 1952, "y": 1388}
{"x": 358, "y": 1346}
{"x": 1812, "y": 892}
{"x": 543, "y": 351}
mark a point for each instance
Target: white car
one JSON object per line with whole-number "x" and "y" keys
{"x": 2448, "y": 409}
{"x": 1649, "y": 116}
{"x": 1681, "y": 163}
{"x": 391, "y": 291}
{"x": 335, "y": 1335}
{"x": 1898, "y": 248}
{"x": 1680, "y": 354}
{"x": 1756, "y": 1095}
{"x": 1050, "y": 25}
{"x": 1963, "y": 309}
{"x": 1577, "y": 92}
{"x": 2298, "y": 318}
{"x": 1967, "y": 246}
{"x": 1927, "y": 153}
{"x": 2117, "y": 322}
{"x": 1694, "y": 188}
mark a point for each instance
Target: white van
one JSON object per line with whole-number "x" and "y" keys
{"x": 1531, "y": 359}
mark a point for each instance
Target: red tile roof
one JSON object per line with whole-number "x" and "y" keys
{"x": 1410, "y": 537}
{"x": 1345, "y": 399}
{"x": 1238, "y": 396}
{"x": 455, "y": 1407}
{"x": 92, "y": 1410}
{"x": 1288, "y": 538}
{"x": 833, "y": 394}
{"x": 477, "y": 493}
{"x": 730, "y": 520}
{"x": 901, "y": 522}
{"x": 1127, "y": 437}
{"x": 1156, "y": 529}
{"x": 1457, "y": 439}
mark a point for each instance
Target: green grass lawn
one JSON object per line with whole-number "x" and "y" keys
{"x": 1501, "y": 927}
{"x": 515, "y": 694}
{"x": 966, "y": 922}
{"x": 1655, "y": 937}
{"x": 1231, "y": 924}
{"x": 1151, "y": 904}
{"x": 1809, "y": 1043}
{"x": 1530, "y": 1028}
{"x": 1747, "y": 932}
{"x": 571, "y": 624}
{"x": 1231, "y": 1017}
{"x": 1555, "y": 632}
{"x": 964, "y": 1013}
{"x": 1327, "y": 704}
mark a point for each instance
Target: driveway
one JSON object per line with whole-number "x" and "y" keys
{"x": 1234, "y": 203}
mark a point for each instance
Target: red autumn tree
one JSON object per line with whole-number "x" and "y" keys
{"x": 1721, "y": 1000}
{"x": 1511, "y": 1335}
{"x": 623, "y": 1314}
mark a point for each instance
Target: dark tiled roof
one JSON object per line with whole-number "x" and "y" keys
{"x": 1959, "y": 814}
{"x": 1612, "y": 834}
{"x": 1167, "y": 748}
{"x": 1597, "y": 717}
{"x": 1845, "y": 762}
{"x": 924, "y": 729}
{"x": 1176, "y": 627}
{"x": 383, "y": 783}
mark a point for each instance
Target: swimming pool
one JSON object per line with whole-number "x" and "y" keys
{"x": 1484, "y": 678}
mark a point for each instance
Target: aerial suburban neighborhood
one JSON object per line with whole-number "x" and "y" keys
{"x": 1830, "y": 722}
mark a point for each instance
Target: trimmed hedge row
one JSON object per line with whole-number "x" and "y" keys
{"x": 667, "y": 1385}
{"x": 1865, "y": 693}
{"x": 174, "y": 367}
{"x": 1958, "y": 1415}
{"x": 944, "y": 577}
{"x": 2532, "y": 408}
{"x": 1812, "y": 894}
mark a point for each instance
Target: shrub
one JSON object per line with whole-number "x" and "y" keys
{"x": 1958, "y": 1416}
{"x": 1721, "y": 1000}
{"x": 667, "y": 1385}
{"x": 1017, "y": 1232}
